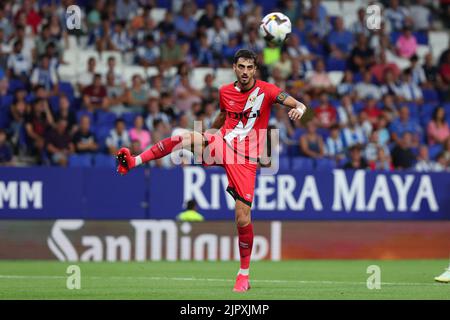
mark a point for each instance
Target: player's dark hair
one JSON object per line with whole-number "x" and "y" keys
{"x": 246, "y": 54}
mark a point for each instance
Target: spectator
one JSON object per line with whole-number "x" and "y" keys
{"x": 38, "y": 123}
{"x": 210, "y": 114}
{"x": 408, "y": 90}
{"x": 372, "y": 111}
{"x": 430, "y": 69}
{"x": 45, "y": 76}
{"x": 353, "y": 134}
{"x": 231, "y": 21}
{"x": 421, "y": 14}
{"x": 360, "y": 25}
{"x": 16, "y": 128}
{"x": 311, "y": 143}
{"x": 207, "y": 19}
{"x": 6, "y": 151}
{"x": 396, "y": 15}
{"x": 380, "y": 68}
{"x": 404, "y": 124}
{"x": 340, "y": 40}
{"x": 402, "y": 155}
{"x": 441, "y": 163}
{"x": 382, "y": 162}
{"x": 18, "y": 64}
{"x": 112, "y": 68}
{"x": 171, "y": 54}
{"x": 346, "y": 87}
{"x": 319, "y": 81}
{"x": 437, "y": 129}
{"x": 367, "y": 88}
{"x": 205, "y": 55}
{"x": 345, "y": 110}
{"x": 86, "y": 78}
{"x": 253, "y": 42}
{"x": 154, "y": 113}
{"x": 284, "y": 65}
{"x": 139, "y": 133}
{"x": 94, "y": 96}
{"x": 185, "y": 24}
{"x": 390, "y": 109}
{"x": 210, "y": 91}
{"x": 217, "y": 38}
{"x": 301, "y": 53}
{"x": 66, "y": 113}
{"x": 424, "y": 163}
{"x": 334, "y": 144}
{"x": 186, "y": 95}
{"x": 356, "y": 160}
{"x": 371, "y": 149}
{"x": 84, "y": 139}
{"x": 406, "y": 44}
{"x": 59, "y": 145}
{"x": 115, "y": 94}
{"x": 120, "y": 40}
{"x": 383, "y": 132}
{"x": 390, "y": 85}
{"x": 148, "y": 54}
{"x": 137, "y": 96}
{"x": 125, "y": 9}
{"x": 118, "y": 137}
{"x": 362, "y": 56}
{"x": 166, "y": 26}
{"x": 325, "y": 113}
{"x": 417, "y": 71}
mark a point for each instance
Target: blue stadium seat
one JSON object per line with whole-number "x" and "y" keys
{"x": 54, "y": 103}
{"x": 302, "y": 163}
{"x": 334, "y": 64}
{"x": 67, "y": 89}
{"x": 394, "y": 36}
{"x": 6, "y": 101}
{"x": 80, "y": 161}
{"x": 285, "y": 163}
{"x": 104, "y": 118}
{"x": 293, "y": 150}
{"x": 15, "y": 84}
{"x": 430, "y": 95}
{"x": 434, "y": 150}
{"x": 325, "y": 164}
{"x": 129, "y": 117}
{"x": 81, "y": 113}
{"x": 104, "y": 161}
{"x": 4, "y": 116}
{"x": 324, "y": 133}
{"x": 421, "y": 37}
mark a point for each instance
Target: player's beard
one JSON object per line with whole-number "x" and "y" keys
{"x": 245, "y": 82}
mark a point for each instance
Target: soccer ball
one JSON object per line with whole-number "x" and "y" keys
{"x": 275, "y": 27}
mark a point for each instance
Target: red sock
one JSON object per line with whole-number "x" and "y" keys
{"x": 245, "y": 244}
{"x": 160, "y": 149}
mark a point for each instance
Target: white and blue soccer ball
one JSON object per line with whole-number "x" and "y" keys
{"x": 275, "y": 27}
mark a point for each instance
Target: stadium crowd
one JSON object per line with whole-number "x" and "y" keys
{"x": 390, "y": 109}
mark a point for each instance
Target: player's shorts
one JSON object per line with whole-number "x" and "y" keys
{"x": 241, "y": 172}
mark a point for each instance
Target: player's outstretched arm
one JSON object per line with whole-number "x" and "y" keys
{"x": 297, "y": 108}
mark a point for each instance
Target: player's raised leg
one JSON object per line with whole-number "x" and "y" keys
{"x": 245, "y": 232}
{"x": 191, "y": 140}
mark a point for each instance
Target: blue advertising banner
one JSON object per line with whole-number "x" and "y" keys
{"x": 68, "y": 193}
{"x": 307, "y": 195}
{"x": 80, "y": 193}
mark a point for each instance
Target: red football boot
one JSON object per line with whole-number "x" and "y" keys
{"x": 126, "y": 161}
{"x": 242, "y": 283}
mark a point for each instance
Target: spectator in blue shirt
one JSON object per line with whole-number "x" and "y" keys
{"x": 340, "y": 40}
{"x": 405, "y": 124}
{"x": 149, "y": 53}
{"x": 185, "y": 25}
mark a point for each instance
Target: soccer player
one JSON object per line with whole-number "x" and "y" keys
{"x": 245, "y": 107}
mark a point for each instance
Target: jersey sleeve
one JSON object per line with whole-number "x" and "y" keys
{"x": 273, "y": 92}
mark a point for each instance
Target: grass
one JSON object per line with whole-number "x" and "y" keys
{"x": 307, "y": 279}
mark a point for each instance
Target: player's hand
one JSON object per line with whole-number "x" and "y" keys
{"x": 296, "y": 113}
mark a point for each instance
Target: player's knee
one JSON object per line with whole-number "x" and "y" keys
{"x": 242, "y": 217}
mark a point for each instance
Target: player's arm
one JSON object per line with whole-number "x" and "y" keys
{"x": 297, "y": 108}
{"x": 219, "y": 121}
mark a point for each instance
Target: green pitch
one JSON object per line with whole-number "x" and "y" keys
{"x": 310, "y": 279}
